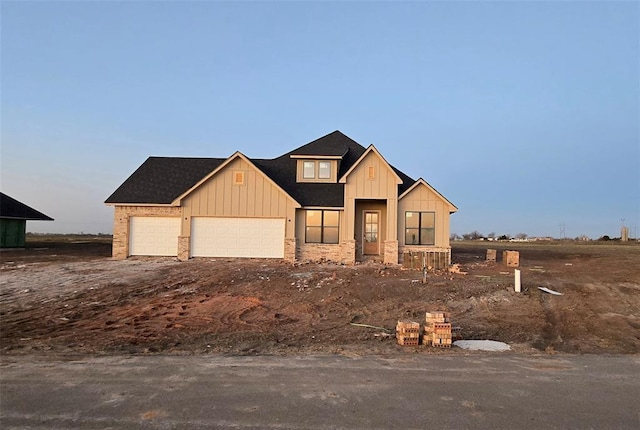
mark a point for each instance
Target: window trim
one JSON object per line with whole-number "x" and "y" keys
{"x": 420, "y": 228}
{"x": 322, "y": 226}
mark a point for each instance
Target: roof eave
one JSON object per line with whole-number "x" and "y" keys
{"x": 452, "y": 207}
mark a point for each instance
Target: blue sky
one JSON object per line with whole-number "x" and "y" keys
{"x": 524, "y": 114}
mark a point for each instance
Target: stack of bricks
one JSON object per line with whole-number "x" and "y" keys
{"x": 408, "y": 333}
{"x": 437, "y": 330}
{"x": 511, "y": 258}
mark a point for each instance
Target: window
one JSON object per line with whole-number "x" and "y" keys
{"x": 309, "y": 169}
{"x": 324, "y": 170}
{"x": 322, "y": 226}
{"x": 420, "y": 228}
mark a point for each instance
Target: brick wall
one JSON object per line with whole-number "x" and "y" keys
{"x": 120, "y": 248}
{"x": 318, "y": 252}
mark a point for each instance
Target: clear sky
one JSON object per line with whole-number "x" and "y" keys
{"x": 524, "y": 114}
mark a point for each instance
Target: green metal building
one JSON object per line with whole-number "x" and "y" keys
{"x": 13, "y": 221}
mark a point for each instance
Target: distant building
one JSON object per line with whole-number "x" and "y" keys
{"x": 13, "y": 221}
{"x": 624, "y": 234}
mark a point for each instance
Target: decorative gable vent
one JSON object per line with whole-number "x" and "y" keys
{"x": 238, "y": 178}
{"x": 371, "y": 172}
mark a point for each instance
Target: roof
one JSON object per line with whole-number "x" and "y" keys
{"x": 160, "y": 180}
{"x": 13, "y": 209}
{"x": 333, "y": 144}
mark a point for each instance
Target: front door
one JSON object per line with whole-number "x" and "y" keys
{"x": 371, "y": 232}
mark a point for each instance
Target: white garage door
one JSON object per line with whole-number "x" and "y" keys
{"x": 237, "y": 237}
{"x": 154, "y": 236}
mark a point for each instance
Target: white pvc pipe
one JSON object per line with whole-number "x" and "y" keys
{"x": 516, "y": 275}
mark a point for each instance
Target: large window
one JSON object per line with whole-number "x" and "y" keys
{"x": 420, "y": 228}
{"x": 322, "y": 226}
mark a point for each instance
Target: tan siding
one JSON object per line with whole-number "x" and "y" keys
{"x": 422, "y": 199}
{"x": 383, "y": 186}
{"x": 258, "y": 197}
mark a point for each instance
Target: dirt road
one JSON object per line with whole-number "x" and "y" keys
{"x": 74, "y": 299}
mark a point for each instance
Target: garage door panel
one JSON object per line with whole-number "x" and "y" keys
{"x": 237, "y": 237}
{"x": 156, "y": 236}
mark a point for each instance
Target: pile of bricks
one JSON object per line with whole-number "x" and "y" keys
{"x": 437, "y": 330}
{"x": 511, "y": 258}
{"x": 408, "y": 333}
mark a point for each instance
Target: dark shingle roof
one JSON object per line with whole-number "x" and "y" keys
{"x": 333, "y": 144}
{"x": 161, "y": 180}
{"x": 11, "y": 208}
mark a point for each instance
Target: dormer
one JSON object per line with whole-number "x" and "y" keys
{"x": 318, "y": 168}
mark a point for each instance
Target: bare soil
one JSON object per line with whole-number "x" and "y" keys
{"x": 70, "y": 297}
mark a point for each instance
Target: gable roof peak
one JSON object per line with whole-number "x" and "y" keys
{"x": 334, "y": 144}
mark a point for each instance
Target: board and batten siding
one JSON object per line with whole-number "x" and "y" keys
{"x": 422, "y": 199}
{"x": 383, "y": 186}
{"x": 257, "y": 197}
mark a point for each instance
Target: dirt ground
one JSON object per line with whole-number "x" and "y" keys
{"x": 70, "y": 297}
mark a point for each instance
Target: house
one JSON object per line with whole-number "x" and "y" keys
{"x": 331, "y": 199}
{"x": 13, "y": 221}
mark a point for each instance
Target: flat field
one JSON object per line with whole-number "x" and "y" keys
{"x": 67, "y": 296}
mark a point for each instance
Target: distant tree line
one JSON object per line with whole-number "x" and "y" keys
{"x": 476, "y": 235}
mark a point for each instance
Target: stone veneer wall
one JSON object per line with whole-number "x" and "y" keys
{"x": 120, "y": 247}
{"x": 390, "y": 252}
{"x": 184, "y": 248}
{"x": 290, "y": 250}
{"x": 348, "y": 251}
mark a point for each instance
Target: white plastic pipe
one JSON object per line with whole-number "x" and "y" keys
{"x": 516, "y": 274}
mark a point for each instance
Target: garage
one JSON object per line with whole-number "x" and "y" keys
{"x": 237, "y": 237}
{"x": 156, "y": 236}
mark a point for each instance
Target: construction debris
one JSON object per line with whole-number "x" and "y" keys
{"x": 408, "y": 333}
{"x": 437, "y": 330}
{"x": 482, "y": 345}
{"x": 547, "y": 290}
{"x": 511, "y": 258}
{"x": 455, "y": 268}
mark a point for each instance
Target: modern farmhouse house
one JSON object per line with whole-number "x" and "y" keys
{"x": 331, "y": 199}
